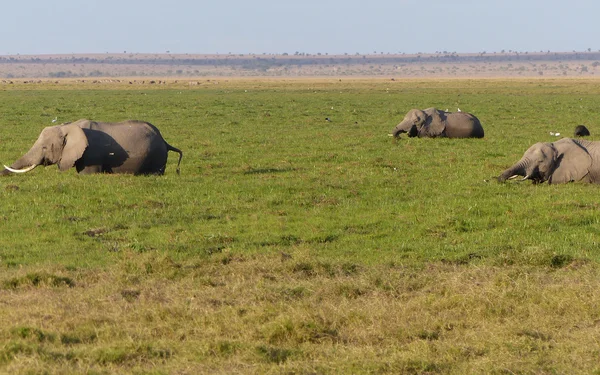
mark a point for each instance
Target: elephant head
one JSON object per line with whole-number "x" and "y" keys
{"x": 581, "y": 131}
{"x": 62, "y": 144}
{"x": 559, "y": 162}
{"x": 420, "y": 123}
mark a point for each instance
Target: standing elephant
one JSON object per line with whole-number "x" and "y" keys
{"x": 432, "y": 122}
{"x": 134, "y": 147}
{"x": 563, "y": 161}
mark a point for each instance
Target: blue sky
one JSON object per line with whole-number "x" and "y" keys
{"x": 311, "y": 26}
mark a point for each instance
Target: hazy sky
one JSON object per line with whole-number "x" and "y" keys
{"x": 311, "y": 26}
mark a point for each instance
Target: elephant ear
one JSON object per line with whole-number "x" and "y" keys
{"x": 572, "y": 163}
{"x": 434, "y": 125}
{"x": 75, "y": 143}
{"x": 418, "y": 117}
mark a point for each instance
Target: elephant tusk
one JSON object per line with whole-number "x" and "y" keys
{"x": 524, "y": 178}
{"x": 24, "y": 170}
{"x": 513, "y": 177}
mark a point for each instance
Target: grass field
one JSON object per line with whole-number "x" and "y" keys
{"x": 290, "y": 244}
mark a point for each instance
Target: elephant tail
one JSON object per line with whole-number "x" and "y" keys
{"x": 175, "y": 149}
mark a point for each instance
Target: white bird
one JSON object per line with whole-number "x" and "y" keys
{"x": 557, "y": 134}
{"x": 459, "y": 110}
{"x": 56, "y": 118}
{"x": 551, "y": 133}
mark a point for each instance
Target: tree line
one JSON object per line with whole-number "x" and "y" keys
{"x": 268, "y": 61}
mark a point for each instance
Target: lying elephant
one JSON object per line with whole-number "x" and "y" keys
{"x": 432, "y": 122}
{"x": 94, "y": 147}
{"x": 563, "y": 161}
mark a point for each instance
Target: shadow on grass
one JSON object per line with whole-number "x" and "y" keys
{"x": 268, "y": 170}
{"x": 38, "y": 279}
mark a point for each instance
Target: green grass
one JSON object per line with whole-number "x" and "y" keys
{"x": 296, "y": 245}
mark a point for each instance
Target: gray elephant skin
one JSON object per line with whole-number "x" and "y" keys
{"x": 566, "y": 160}
{"x": 133, "y": 147}
{"x": 432, "y": 122}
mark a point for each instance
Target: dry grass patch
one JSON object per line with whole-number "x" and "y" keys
{"x": 256, "y": 314}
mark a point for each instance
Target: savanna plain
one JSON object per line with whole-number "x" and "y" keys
{"x": 291, "y": 244}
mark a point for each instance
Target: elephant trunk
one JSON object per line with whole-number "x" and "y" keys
{"x": 516, "y": 170}
{"x": 23, "y": 165}
{"x": 405, "y": 127}
{"x": 397, "y": 132}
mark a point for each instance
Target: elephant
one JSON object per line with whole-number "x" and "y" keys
{"x": 581, "y": 131}
{"x": 133, "y": 147}
{"x": 432, "y": 122}
{"x": 566, "y": 160}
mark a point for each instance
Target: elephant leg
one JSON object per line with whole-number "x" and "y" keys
{"x": 90, "y": 169}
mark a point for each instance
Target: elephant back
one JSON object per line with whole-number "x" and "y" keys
{"x": 463, "y": 125}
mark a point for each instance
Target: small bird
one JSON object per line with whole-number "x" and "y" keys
{"x": 54, "y": 120}
{"x": 459, "y": 110}
{"x": 327, "y": 119}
